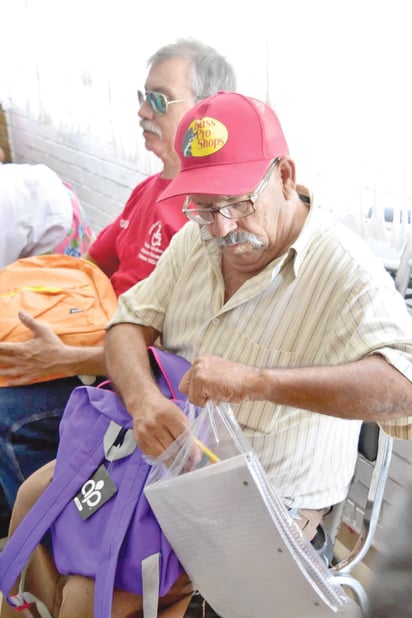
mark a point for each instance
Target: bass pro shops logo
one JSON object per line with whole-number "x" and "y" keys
{"x": 204, "y": 137}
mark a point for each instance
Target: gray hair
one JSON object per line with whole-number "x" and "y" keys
{"x": 209, "y": 71}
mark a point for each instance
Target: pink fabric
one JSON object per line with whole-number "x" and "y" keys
{"x": 80, "y": 235}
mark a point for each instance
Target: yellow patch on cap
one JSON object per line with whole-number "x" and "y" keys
{"x": 204, "y": 137}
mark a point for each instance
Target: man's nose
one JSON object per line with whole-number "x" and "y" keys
{"x": 222, "y": 226}
{"x": 145, "y": 111}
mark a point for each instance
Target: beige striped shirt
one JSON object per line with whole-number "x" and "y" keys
{"x": 327, "y": 301}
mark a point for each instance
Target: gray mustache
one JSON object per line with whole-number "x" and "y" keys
{"x": 233, "y": 238}
{"x": 146, "y": 125}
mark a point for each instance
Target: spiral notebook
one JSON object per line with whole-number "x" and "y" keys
{"x": 241, "y": 548}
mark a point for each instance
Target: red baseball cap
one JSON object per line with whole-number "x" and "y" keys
{"x": 225, "y": 144}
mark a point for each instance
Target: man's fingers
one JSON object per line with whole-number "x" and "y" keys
{"x": 185, "y": 382}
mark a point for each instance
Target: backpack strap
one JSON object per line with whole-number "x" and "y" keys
{"x": 124, "y": 506}
{"x": 25, "y": 600}
{"x": 65, "y": 484}
{"x": 151, "y": 585}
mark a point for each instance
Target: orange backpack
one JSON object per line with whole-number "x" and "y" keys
{"x": 70, "y": 294}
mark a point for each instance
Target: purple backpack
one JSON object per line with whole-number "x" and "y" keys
{"x": 118, "y": 542}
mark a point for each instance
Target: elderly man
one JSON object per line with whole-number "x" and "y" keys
{"x": 281, "y": 310}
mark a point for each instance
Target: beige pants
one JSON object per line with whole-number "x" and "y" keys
{"x": 69, "y": 597}
{"x": 308, "y": 520}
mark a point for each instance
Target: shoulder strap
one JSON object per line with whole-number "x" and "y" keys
{"x": 127, "y": 498}
{"x": 61, "y": 490}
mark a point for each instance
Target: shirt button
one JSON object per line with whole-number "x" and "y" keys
{"x": 215, "y": 321}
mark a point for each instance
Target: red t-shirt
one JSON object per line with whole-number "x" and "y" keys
{"x": 128, "y": 249}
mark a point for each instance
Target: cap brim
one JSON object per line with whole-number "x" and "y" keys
{"x": 228, "y": 179}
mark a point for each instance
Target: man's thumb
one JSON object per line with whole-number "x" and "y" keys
{"x": 28, "y": 320}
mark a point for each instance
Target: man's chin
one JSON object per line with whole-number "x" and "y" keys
{"x": 150, "y": 138}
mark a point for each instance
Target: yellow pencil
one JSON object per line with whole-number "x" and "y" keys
{"x": 211, "y": 455}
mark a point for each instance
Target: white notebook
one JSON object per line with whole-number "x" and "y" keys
{"x": 241, "y": 548}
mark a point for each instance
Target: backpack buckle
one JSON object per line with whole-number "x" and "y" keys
{"x": 18, "y": 602}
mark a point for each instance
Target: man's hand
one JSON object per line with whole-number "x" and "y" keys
{"x": 29, "y": 360}
{"x": 157, "y": 424}
{"x": 217, "y": 379}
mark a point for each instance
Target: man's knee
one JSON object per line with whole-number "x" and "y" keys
{"x": 78, "y": 600}
{"x": 29, "y": 492}
{"x": 77, "y": 597}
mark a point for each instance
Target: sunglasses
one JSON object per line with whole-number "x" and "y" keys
{"x": 157, "y": 101}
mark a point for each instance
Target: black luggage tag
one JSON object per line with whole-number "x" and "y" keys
{"x": 95, "y": 492}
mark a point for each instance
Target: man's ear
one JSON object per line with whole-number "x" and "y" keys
{"x": 287, "y": 172}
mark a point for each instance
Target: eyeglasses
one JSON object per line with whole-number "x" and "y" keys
{"x": 157, "y": 101}
{"x": 232, "y": 210}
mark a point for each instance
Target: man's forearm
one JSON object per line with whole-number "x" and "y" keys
{"x": 369, "y": 389}
{"x": 82, "y": 360}
{"x": 127, "y": 362}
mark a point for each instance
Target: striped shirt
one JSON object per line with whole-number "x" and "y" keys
{"x": 327, "y": 301}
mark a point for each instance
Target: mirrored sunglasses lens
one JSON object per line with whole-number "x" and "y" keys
{"x": 140, "y": 97}
{"x": 157, "y": 102}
